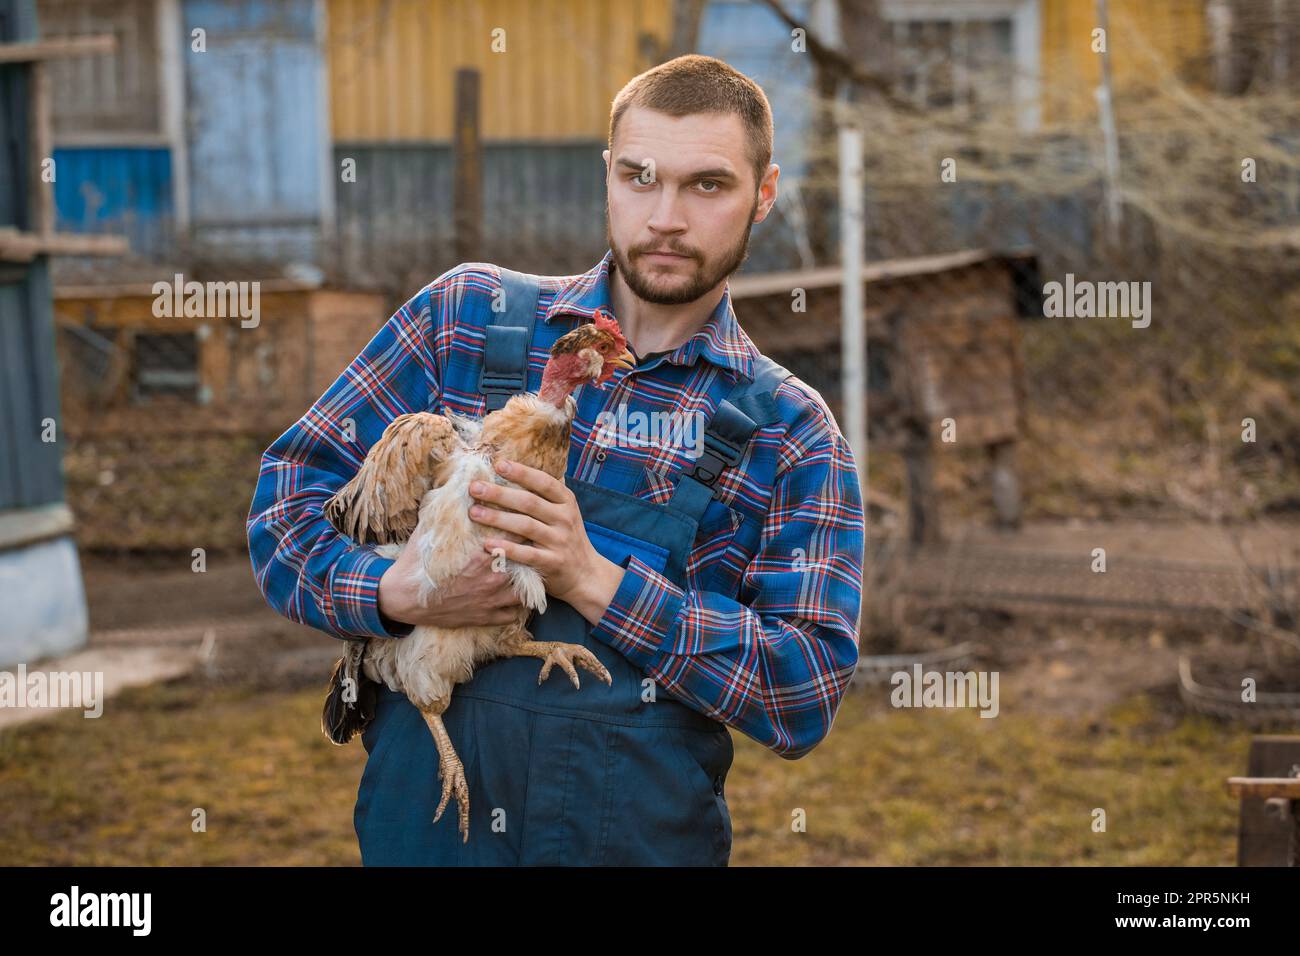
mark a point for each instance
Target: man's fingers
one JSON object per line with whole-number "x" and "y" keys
{"x": 521, "y": 524}
{"x": 519, "y": 500}
{"x": 535, "y": 480}
{"x": 517, "y": 551}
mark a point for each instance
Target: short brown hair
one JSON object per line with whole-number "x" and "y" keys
{"x": 700, "y": 84}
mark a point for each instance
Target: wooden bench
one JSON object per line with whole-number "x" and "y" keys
{"x": 1269, "y": 831}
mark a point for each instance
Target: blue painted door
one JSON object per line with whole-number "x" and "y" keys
{"x": 256, "y": 128}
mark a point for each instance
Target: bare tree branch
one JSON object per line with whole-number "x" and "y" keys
{"x": 840, "y": 64}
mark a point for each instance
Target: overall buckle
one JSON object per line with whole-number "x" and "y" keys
{"x": 717, "y": 454}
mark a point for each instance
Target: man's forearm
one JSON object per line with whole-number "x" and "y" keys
{"x": 776, "y": 677}
{"x": 598, "y": 590}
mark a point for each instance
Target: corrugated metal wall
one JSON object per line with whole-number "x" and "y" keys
{"x": 544, "y": 209}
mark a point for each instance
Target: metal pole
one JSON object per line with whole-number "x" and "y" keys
{"x": 1109, "y": 134}
{"x": 853, "y": 358}
{"x": 853, "y": 352}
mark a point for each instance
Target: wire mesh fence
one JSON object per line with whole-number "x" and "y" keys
{"x": 1068, "y": 318}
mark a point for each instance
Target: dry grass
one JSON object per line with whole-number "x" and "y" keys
{"x": 887, "y": 787}
{"x": 944, "y": 788}
{"x": 121, "y": 790}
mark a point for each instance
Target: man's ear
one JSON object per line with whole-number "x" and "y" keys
{"x": 605, "y": 156}
{"x": 767, "y": 192}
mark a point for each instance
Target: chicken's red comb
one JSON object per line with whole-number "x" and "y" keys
{"x": 607, "y": 322}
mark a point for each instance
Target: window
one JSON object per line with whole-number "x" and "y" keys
{"x": 166, "y": 365}
{"x": 972, "y": 55}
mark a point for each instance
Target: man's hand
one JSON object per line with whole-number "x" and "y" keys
{"x": 546, "y": 512}
{"x": 478, "y": 597}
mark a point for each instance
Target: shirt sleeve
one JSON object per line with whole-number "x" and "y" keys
{"x": 776, "y": 666}
{"x": 307, "y": 570}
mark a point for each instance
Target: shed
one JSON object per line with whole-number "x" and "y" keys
{"x": 45, "y": 609}
{"x": 943, "y": 352}
{"x": 126, "y": 368}
{"x": 167, "y": 416}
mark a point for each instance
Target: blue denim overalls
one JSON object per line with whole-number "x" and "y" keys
{"x": 617, "y": 774}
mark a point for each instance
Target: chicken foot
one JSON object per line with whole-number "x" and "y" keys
{"x": 450, "y": 770}
{"x": 566, "y": 655}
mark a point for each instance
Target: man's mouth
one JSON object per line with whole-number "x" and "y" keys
{"x": 665, "y": 255}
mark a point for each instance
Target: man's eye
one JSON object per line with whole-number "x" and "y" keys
{"x": 711, "y": 183}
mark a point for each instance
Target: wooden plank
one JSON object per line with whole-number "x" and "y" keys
{"x": 18, "y": 246}
{"x": 468, "y": 149}
{"x": 40, "y": 50}
{"x": 144, "y": 290}
{"x": 1265, "y": 787}
{"x": 42, "y": 149}
{"x": 108, "y": 139}
{"x": 746, "y": 287}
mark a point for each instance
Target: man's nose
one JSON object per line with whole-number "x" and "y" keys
{"x": 667, "y": 215}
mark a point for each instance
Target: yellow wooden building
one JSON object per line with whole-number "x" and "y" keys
{"x": 549, "y": 68}
{"x": 1149, "y": 42}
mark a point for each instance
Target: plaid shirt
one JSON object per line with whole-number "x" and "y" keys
{"x": 763, "y": 637}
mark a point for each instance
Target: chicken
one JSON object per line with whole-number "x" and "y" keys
{"x": 412, "y": 490}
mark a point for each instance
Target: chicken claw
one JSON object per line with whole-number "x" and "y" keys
{"x": 566, "y": 655}
{"x": 452, "y": 773}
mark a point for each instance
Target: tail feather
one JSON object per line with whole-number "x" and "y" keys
{"x": 350, "y": 702}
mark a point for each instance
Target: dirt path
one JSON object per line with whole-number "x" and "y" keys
{"x": 154, "y": 618}
{"x": 1150, "y": 569}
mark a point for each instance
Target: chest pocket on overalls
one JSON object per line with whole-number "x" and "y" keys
{"x": 615, "y": 546}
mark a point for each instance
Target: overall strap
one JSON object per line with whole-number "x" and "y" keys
{"x": 508, "y": 336}
{"x": 727, "y": 434}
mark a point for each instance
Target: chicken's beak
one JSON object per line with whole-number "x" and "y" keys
{"x": 624, "y": 359}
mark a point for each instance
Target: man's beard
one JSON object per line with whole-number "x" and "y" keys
{"x": 705, "y": 277}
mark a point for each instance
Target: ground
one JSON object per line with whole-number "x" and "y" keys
{"x": 1089, "y": 720}
{"x": 909, "y": 787}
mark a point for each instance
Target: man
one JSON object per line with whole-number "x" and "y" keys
{"x": 720, "y": 583}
